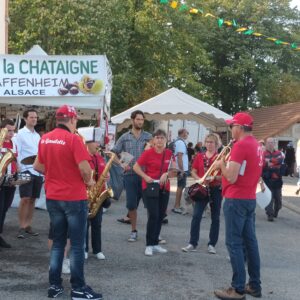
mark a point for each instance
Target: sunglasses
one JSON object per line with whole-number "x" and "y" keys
{"x": 233, "y": 125}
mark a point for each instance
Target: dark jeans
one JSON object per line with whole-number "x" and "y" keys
{"x": 67, "y": 218}
{"x": 133, "y": 188}
{"x": 156, "y": 209}
{"x": 215, "y": 205}
{"x": 240, "y": 237}
{"x": 6, "y": 198}
{"x": 95, "y": 232}
{"x": 276, "y": 202}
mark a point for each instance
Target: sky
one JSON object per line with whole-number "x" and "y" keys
{"x": 295, "y": 2}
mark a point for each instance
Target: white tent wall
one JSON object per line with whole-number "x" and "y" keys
{"x": 196, "y": 131}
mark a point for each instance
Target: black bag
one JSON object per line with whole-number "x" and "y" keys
{"x": 198, "y": 192}
{"x": 152, "y": 190}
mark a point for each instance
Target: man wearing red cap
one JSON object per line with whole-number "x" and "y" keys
{"x": 64, "y": 160}
{"x": 240, "y": 177}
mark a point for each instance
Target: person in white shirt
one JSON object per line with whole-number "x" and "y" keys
{"x": 182, "y": 163}
{"x": 27, "y": 141}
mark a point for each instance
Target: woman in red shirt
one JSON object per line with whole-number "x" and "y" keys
{"x": 201, "y": 164}
{"x": 153, "y": 165}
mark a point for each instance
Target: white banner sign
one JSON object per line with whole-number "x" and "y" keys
{"x": 48, "y": 76}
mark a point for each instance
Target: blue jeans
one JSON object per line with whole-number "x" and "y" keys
{"x": 133, "y": 188}
{"x": 215, "y": 205}
{"x": 240, "y": 237}
{"x": 67, "y": 217}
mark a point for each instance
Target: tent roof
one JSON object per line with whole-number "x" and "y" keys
{"x": 174, "y": 104}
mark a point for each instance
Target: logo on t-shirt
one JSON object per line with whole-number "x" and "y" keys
{"x": 57, "y": 141}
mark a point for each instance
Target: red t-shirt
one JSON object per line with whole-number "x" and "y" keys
{"x": 151, "y": 162}
{"x": 97, "y": 163}
{"x": 13, "y": 165}
{"x": 61, "y": 151}
{"x": 202, "y": 163}
{"x": 249, "y": 154}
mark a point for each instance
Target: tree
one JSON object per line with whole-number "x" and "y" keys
{"x": 152, "y": 47}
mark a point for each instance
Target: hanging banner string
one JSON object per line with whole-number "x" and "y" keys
{"x": 229, "y": 23}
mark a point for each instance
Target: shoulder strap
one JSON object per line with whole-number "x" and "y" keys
{"x": 162, "y": 163}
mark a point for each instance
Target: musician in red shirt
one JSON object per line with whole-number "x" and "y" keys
{"x": 201, "y": 164}
{"x": 240, "y": 177}
{"x": 97, "y": 163}
{"x": 7, "y": 192}
{"x": 64, "y": 160}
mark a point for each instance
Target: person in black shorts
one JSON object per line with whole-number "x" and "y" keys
{"x": 27, "y": 141}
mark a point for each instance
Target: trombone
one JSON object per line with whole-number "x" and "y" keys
{"x": 211, "y": 172}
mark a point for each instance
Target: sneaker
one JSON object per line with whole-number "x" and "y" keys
{"x": 4, "y": 244}
{"x": 29, "y": 230}
{"x": 254, "y": 293}
{"x": 86, "y": 255}
{"x": 229, "y": 294}
{"x": 177, "y": 210}
{"x": 165, "y": 221}
{"x": 270, "y": 218}
{"x": 189, "y": 248}
{"x": 100, "y": 255}
{"x": 161, "y": 241}
{"x": 159, "y": 249}
{"x": 66, "y": 266}
{"x": 133, "y": 236}
{"x": 149, "y": 251}
{"x": 85, "y": 293}
{"x": 211, "y": 249}
{"x": 54, "y": 291}
{"x": 22, "y": 234}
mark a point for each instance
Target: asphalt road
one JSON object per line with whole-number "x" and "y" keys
{"x": 128, "y": 274}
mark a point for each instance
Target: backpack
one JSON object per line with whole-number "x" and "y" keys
{"x": 172, "y": 145}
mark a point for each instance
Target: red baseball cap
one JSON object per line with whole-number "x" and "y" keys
{"x": 66, "y": 111}
{"x": 242, "y": 119}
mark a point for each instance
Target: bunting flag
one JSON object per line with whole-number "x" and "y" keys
{"x": 229, "y": 23}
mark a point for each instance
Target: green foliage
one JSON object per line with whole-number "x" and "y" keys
{"x": 152, "y": 47}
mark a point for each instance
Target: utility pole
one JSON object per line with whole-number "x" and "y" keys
{"x": 4, "y": 20}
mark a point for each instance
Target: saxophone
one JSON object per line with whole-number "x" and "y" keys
{"x": 95, "y": 197}
{"x": 7, "y": 157}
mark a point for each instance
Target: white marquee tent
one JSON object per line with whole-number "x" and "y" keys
{"x": 174, "y": 104}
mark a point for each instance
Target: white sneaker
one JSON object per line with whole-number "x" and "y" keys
{"x": 161, "y": 241}
{"x": 159, "y": 249}
{"x": 133, "y": 236}
{"x": 149, "y": 251}
{"x": 66, "y": 266}
{"x": 100, "y": 255}
{"x": 86, "y": 255}
{"x": 189, "y": 248}
{"x": 211, "y": 249}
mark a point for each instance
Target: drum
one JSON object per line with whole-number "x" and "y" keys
{"x": 17, "y": 179}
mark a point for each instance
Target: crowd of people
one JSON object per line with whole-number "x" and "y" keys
{"x": 231, "y": 179}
